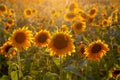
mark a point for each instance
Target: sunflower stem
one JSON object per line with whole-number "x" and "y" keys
{"x": 60, "y": 68}
{"x": 19, "y": 63}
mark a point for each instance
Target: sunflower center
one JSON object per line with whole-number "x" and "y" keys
{"x": 116, "y": 72}
{"x": 2, "y": 8}
{"x": 20, "y": 37}
{"x": 12, "y": 11}
{"x": 28, "y": 12}
{"x": 96, "y": 48}
{"x": 70, "y": 15}
{"x": 78, "y": 25}
{"x": 105, "y": 23}
{"x": 7, "y": 27}
{"x": 33, "y": 11}
{"x": 90, "y": 20}
{"x": 8, "y": 48}
{"x": 10, "y": 21}
{"x": 83, "y": 15}
{"x": 82, "y": 50}
{"x": 92, "y": 12}
{"x": 53, "y": 12}
{"x": 60, "y": 41}
{"x": 42, "y": 38}
{"x": 72, "y": 6}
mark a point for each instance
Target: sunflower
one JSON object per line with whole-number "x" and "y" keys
{"x": 42, "y": 38}
{"x": 3, "y": 9}
{"x": 115, "y": 16}
{"x": 73, "y": 6}
{"x": 11, "y": 11}
{"x": 61, "y": 44}
{"x": 64, "y": 28}
{"x": 34, "y": 11}
{"x": 8, "y": 50}
{"x": 51, "y": 22}
{"x": 90, "y": 20}
{"x": 118, "y": 49}
{"x": 10, "y": 16}
{"x": 42, "y": 22}
{"x": 54, "y": 13}
{"x": 81, "y": 49}
{"x": 104, "y": 14}
{"x": 78, "y": 27}
{"x": 79, "y": 10}
{"x": 105, "y": 22}
{"x": 115, "y": 73}
{"x": 83, "y": 16}
{"x": 93, "y": 12}
{"x": 10, "y": 22}
{"x": 96, "y": 50}
{"x": 27, "y": 12}
{"x": 70, "y": 16}
{"x": 7, "y": 28}
{"x": 21, "y": 38}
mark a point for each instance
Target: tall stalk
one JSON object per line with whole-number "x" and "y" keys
{"x": 19, "y": 63}
{"x": 61, "y": 69}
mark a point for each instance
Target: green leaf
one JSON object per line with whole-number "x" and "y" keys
{"x": 86, "y": 39}
{"x": 51, "y": 76}
{"x": 56, "y": 61}
{"x": 82, "y": 63}
{"x": 72, "y": 69}
{"x": 4, "y": 77}
{"x": 14, "y": 75}
{"x": 27, "y": 78}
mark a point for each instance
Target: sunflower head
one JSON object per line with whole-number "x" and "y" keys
{"x": 105, "y": 23}
{"x": 42, "y": 38}
{"x": 11, "y": 11}
{"x": 73, "y": 6}
{"x": 61, "y": 44}
{"x": 7, "y": 27}
{"x": 96, "y": 50}
{"x": 51, "y": 22}
{"x": 27, "y": 12}
{"x": 8, "y": 50}
{"x": 93, "y": 12}
{"x": 54, "y": 13}
{"x": 81, "y": 49}
{"x": 21, "y": 38}
{"x": 70, "y": 16}
{"x": 64, "y": 28}
{"x": 3, "y": 9}
{"x": 34, "y": 11}
{"x": 78, "y": 27}
{"x": 83, "y": 16}
{"x": 43, "y": 21}
{"x": 115, "y": 16}
{"x": 115, "y": 73}
{"x": 79, "y": 10}
{"x": 10, "y": 22}
{"x": 104, "y": 14}
{"x": 90, "y": 20}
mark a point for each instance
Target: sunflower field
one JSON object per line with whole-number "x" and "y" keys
{"x": 59, "y": 39}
